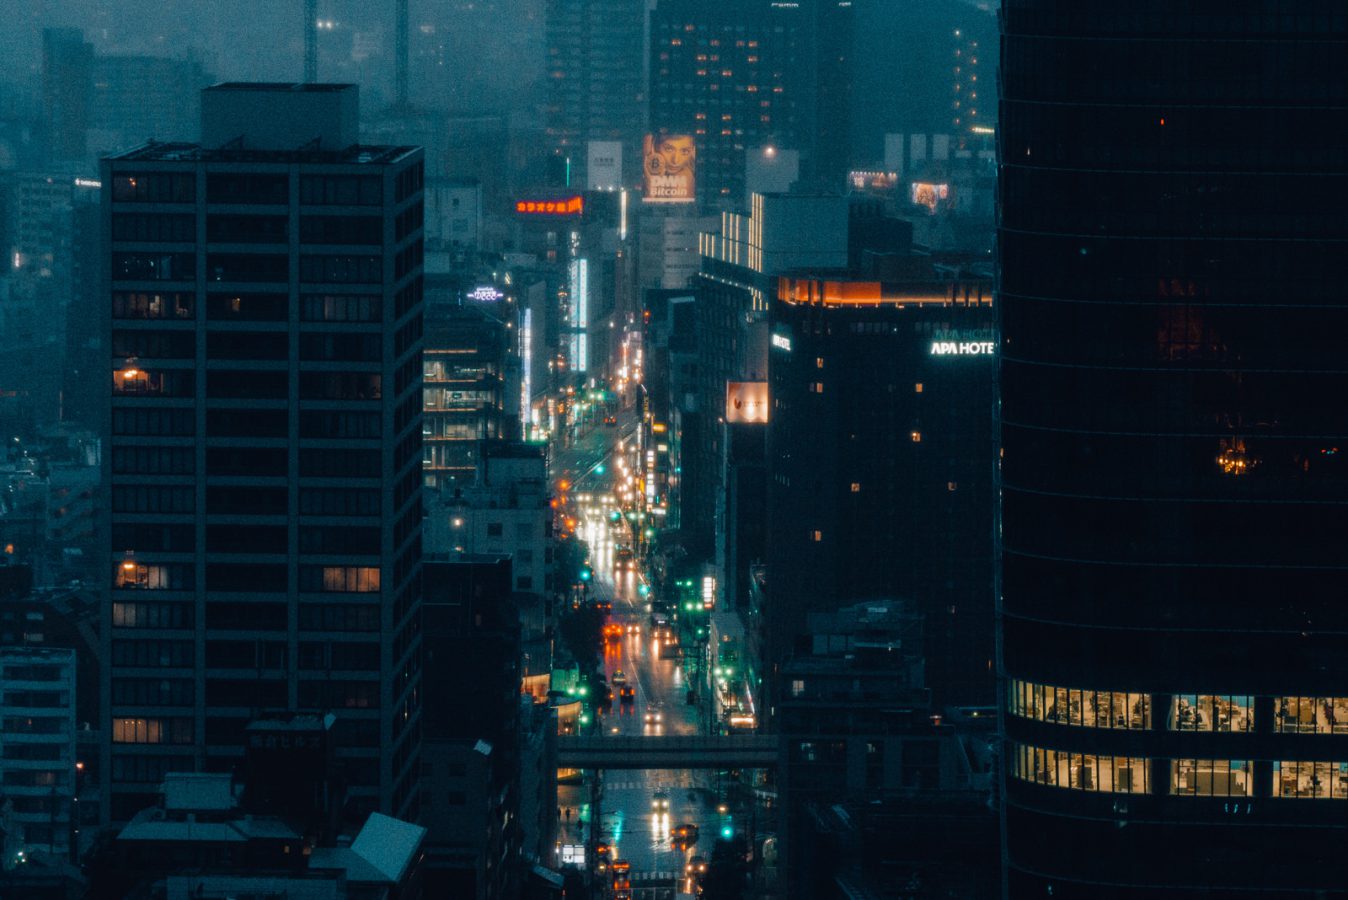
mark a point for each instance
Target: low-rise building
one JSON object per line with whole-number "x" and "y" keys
{"x": 870, "y": 771}
{"x": 37, "y": 748}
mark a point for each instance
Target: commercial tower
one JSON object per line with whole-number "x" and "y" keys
{"x": 1173, "y": 486}
{"x": 264, "y": 539}
{"x": 879, "y": 464}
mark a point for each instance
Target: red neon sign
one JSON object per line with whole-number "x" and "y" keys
{"x": 569, "y": 206}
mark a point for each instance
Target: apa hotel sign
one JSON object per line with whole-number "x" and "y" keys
{"x": 963, "y": 348}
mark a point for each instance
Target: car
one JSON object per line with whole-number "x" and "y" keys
{"x": 618, "y": 679}
{"x": 634, "y": 628}
{"x": 613, "y": 631}
{"x": 654, "y": 715}
{"x": 684, "y": 836}
{"x": 696, "y": 866}
{"x": 627, "y": 694}
{"x": 601, "y": 850}
{"x": 660, "y": 802}
{"x": 610, "y": 421}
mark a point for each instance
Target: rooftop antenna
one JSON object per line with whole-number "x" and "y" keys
{"x": 310, "y": 41}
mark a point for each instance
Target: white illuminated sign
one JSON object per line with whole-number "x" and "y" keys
{"x": 485, "y": 294}
{"x": 962, "y": 348}
{"x": 782, "y": 342}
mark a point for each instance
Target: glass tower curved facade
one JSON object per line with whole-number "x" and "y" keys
{"x": 1173, "y": 587}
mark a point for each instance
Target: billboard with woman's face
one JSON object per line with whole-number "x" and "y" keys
{"x": 670, "y": 164}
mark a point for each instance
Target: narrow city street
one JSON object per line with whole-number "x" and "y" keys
{"x": 638, "y": 810}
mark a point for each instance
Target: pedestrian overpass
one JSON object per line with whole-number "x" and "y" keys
{"x": 660, "y": 751}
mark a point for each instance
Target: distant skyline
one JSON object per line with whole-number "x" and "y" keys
{"x": 461, "y": 56}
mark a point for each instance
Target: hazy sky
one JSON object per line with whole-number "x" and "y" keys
{"x": 493, "y": 46}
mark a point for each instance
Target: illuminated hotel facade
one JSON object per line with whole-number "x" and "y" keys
{"x": 1173, "y": 487}
{"x": 879, "y": 465}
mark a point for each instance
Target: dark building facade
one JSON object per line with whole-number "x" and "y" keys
{"x": 878, "y": 789}
{"x": 472, "y": 769}
{"x": 264, "y": 460}
{"x": 879, "y": 465}
{"x": 1173, "y": 482}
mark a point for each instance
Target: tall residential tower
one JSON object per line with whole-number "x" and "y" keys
{"x": 264, "y": 541}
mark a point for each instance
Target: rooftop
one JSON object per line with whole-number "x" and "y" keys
{"x": 381, "y": 854}
{"x": 835, "y": 289}
{"x": 261, "y": 86}
{"x": 357, "y": 154}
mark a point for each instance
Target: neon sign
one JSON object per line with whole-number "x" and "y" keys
{"x": 781, "y": 342}
{"x": 962, "y": 348}
{"x": 568, "y": 206}
{"x": 486, "y": 294}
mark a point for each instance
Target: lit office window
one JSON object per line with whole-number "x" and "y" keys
{"x": 1211, "y": 712}
{"x": 1080, "y": 771}
{"x": 1210, "y": 777}
{"x": 1311, "y": 780}
{"x": 1311, "y": 715}
{"x": 1072, "y": 706}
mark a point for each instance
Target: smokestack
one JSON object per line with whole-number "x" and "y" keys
{"x": 310, "y": 41}
{"x": 401, "y": 76}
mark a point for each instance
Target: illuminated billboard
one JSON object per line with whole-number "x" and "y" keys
{"x": 873, "y": 182}
{"x": 746, "y": 402}
{"x": 559, "y": 206}
{"x": 670, "y": 166}
{"x": 925, "y": 193}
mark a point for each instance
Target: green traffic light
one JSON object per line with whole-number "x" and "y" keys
{"x": 727, "y": 832}
{"x": 599, "y": 469}
{"x": 585, "y": 574}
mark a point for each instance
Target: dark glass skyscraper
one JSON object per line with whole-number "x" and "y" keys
{"x": 1173, "y": 486}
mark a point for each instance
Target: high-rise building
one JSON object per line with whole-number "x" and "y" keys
{"x": 880, "y": 465}
{"x": 67, "y": 73}
{"x": 1173, "y": 481}
{"x": 596, "y": 77}
{"x": 735, "y": 75}
{"x": 264, "y": 460}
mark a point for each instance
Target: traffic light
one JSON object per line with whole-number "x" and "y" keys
{"x": 727, "y": 831}
{"x": 586, "y": 574}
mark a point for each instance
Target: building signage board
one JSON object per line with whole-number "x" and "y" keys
{"x": 746, "y": 402}
{"x": 963, "y": 348}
